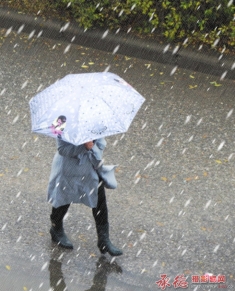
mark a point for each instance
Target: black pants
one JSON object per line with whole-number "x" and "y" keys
{"x": 100, "y": 213}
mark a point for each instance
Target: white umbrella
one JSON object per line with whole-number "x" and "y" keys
{"x": 85, "y": 107}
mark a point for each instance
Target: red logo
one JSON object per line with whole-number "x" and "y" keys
{"x": 180, "y": 281}
{"x": 163, "y": 282}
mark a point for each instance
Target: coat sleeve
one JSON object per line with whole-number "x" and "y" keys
{"x": 69, "y": 150}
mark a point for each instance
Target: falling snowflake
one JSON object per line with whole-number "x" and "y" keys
{"x": 105, "y": 33}
{"x": 44, "y": 266}
{"x": 31, "y": 34}
{"x": 221, "y": 145}
{"x": 166, "y": 48}
{"x": 216, "y": 249}
{"x": 67, "y": 48}
{"x": 175, "y": 50}
{"x": 223, "y": 75}
{"x": 207, "y": 204}
{"x": 8, "y": 31}
{"x": 188, "y": 118}
{"x": 173, "y": 70}
{"x": 229, "y": 113}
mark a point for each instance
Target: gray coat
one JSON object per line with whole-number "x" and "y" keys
{"x": 76, "y": 173}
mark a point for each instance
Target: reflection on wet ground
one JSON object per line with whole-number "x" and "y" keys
{"x": 57, "y": 282}
{"x": 103, "y": 269}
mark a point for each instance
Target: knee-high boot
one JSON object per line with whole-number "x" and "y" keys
{"x": 104, "y": 244}
{"x": 57, "y": 230}
{"x": 100, "y": 214}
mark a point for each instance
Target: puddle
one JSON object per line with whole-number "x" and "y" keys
{"x": 54, "y": 275}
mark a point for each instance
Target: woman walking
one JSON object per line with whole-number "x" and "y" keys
{"x": 78, "y": 176}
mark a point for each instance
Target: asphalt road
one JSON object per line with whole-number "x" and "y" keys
{"x": 173, "y": 210}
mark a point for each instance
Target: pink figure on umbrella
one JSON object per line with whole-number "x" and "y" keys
{"x": 58, "y": 125}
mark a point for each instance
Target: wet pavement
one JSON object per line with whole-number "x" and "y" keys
{"x": 173, "y": 210}
{"x": 217, "y": 62}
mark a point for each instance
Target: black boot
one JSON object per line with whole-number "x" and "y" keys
{"x": 58, "y": 235}
{"x": 104, "y": 243}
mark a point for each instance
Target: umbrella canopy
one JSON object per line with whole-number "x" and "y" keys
{"x": 85, "y": 107}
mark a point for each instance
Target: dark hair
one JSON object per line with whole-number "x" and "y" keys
{"x": 62, "y": 117}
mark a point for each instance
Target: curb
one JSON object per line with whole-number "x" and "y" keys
{"x": 212, "y": 63}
